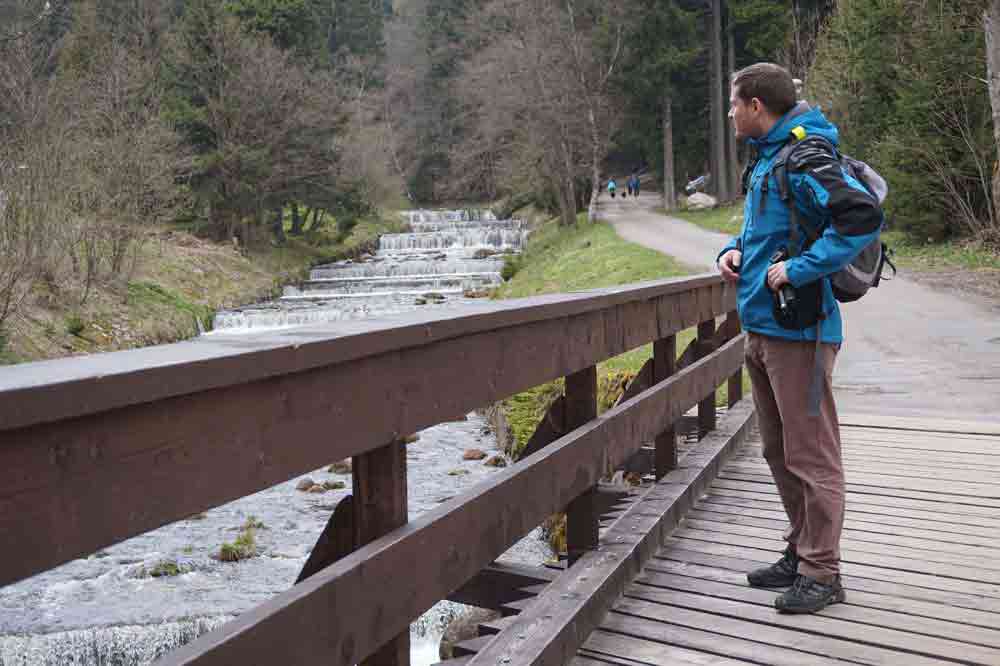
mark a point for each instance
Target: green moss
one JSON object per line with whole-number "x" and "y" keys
{"x": 253, "y": 523}
{"x": 75, "y": 325}
{"x": 142, "y": 295}
{"x": 165, "y": 569}
{"x": 244, "y": 547}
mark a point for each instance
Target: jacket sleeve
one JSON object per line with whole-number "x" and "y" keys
{"x": 832, "y": 200}
{"x": 733, "y": 244}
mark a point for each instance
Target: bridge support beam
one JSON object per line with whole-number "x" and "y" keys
{"x": 735, "y": 385}
{"x": 706, "y": 408}
{"x": 665, "y": 365}
{"x": 380, "y": 506}
{"x": 581, "y": 514}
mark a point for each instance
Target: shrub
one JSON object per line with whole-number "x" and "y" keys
{"x": 74, "y": 325}
{"x": 243, "y": 548}
{"x": 511, "y": 266}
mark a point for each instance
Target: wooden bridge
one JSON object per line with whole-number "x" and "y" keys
{"x": 95, "y": 450}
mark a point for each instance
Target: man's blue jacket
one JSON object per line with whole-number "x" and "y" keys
{"x": 827, "y": 197}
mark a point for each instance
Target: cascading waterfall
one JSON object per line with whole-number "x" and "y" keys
{"x": 105, "y": 610}
{"x": 446, "y": 256}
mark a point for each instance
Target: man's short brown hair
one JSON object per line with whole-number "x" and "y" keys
{"x": 771, "y": 84}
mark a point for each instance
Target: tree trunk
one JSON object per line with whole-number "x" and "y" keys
{"x": 991, "y": 24}
{"x": 732, "y": 153}
{"x": 278, "y": 225}
{"x": 296, "y": 221}
{"x": 567, "y": 192}
{"x": 595, "y": 168}
{"x": 669, "y": 195}
{"x": 717, "y": 152}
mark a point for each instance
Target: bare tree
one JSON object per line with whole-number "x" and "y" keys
{"x": 991, "y": 25}
{"x": 540, "y": 94}
{"x": 717, "y": 128}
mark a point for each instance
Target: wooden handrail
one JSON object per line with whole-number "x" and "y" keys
{"x": 96, "y": 450}
{"x": 349, "y": 609}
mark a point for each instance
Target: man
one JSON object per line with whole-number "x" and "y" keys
{"x": 801, "y": 445}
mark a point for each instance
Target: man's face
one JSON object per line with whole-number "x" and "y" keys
{"x": 744, "y": 115}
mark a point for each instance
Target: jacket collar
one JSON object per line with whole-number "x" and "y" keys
{"x": 779, "y": 134}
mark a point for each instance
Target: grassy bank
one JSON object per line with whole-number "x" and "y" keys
{"x": 584, "y": 257}
{"x": 179, "y": 282}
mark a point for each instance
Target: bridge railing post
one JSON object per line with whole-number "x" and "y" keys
{"x": 582, "y": 519}
{"x": 706, "y": 408}
{"x": 665, "y": 365}
{"x": 380, "y": 506}
{"x": 735, "y": 384}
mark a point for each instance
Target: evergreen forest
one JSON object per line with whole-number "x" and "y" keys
{"x": 257, "y": 121}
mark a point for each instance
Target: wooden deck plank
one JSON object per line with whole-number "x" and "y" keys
{"x": 916, "y": 516}
{"x": 633, "y": 650}
{"x": 856, "y": 581}
{"x": 956, "y": 535}
{"x": 850, "y": 568}
{"x": 724, "y": 645}
{"x": 890, "y": 619}
{"x": 825, "y": 624}
{"x": 860, "y": 542}
{"x": 857, "y": 595}
{"x": 897, "y": 498}
{"x": 976, "y": 476}
{"x": 886, "y": 556}
{"x": 733, "y": 623}
{"x": 986, "y": 427}
{"x": 954, "y": 491}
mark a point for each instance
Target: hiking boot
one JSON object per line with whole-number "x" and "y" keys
{"x": 780, "y": 574}
{"x": 808, "y": 595}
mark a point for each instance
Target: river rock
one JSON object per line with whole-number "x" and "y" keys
{"x": 317, "y": 489}
{"x": 701, "y": 201}
{"x": 334, "y": 485}
{"x": 473, "y": 454}
{"x": 464, "y": 627}
{"x": 410, "y": 439}
{"x": 305, "y": 484}
{"x": 458, "y": 472}
{"x": 496, "y": 461}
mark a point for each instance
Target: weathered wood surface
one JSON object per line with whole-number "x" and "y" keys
{"x": 921, "y": 573}
{"x": 551, "y": 629}
{"x": 448, "y": 545}
{"x": 92, "y": 448}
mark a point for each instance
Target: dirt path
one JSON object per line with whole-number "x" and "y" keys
{"x": 909, "y": 349}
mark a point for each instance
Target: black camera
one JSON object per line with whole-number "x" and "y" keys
{"x": 795, "y": 309}
{"x": 785, "y": 301}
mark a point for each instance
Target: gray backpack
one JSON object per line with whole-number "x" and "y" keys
{"x": 865, "y": 271}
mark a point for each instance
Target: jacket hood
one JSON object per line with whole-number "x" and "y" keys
{"x": 812, "y": 119}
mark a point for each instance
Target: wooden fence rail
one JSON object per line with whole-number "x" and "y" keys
{"x": 99, "y": 449}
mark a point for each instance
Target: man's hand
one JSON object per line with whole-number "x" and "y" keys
{"x": 729, "y": 265}
{"x": 777, "y": 275}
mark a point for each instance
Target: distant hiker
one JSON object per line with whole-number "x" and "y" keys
{"x": 612, "y": 187}
{"x": 633, "y": 184}
{"x": 788, "y": 307}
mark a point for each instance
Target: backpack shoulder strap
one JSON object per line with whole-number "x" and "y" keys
{"x": 786, "y": 158}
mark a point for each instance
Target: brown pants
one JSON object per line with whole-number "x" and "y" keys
{"x": 802, "y": 451}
